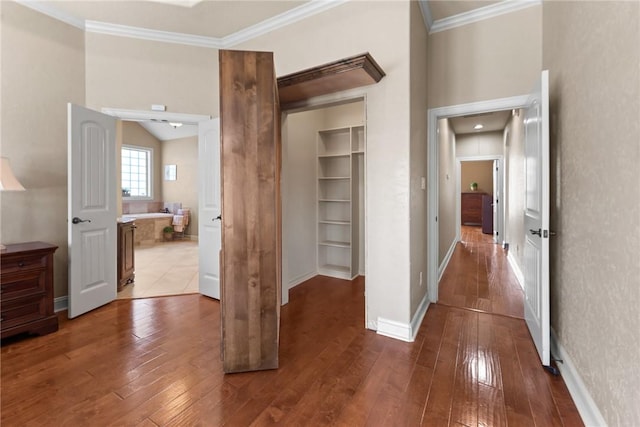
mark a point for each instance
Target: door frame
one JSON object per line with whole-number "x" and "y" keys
{"x": 459, "y": 160}
{"x": 433, "y": 115}
{"x": 325, "y": 101}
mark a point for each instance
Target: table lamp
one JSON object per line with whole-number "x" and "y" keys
{"x": 8, "y": 181}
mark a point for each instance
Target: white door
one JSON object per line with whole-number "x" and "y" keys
{"x": 497, "y": 202}
{"x": 91, "y": 209}
{"x": 210, "y": 222}
{"x": 536, "y": 217}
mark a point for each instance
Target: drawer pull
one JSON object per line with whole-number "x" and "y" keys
{"x": 21, "y": 264}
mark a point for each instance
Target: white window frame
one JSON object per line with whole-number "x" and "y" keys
{"x": 149, "y": 150}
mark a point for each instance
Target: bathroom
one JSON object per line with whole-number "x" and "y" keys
{"x": 158, "y": 186}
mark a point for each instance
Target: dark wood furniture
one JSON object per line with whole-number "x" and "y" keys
{"x": 126, "y": 264}
{"x": 26, "y": 281}
{"x": 471, "y": 208}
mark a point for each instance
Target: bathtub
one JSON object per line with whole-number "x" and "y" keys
{"x": 149, "y": 226}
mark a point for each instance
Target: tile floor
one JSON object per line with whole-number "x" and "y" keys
{"x": 166, "y": 268}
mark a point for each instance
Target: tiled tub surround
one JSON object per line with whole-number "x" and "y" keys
{"x": 149, "y": 226}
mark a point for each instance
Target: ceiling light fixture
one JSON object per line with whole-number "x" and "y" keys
{"x": 478, "y": 127}
{"x": 175, "y": 125}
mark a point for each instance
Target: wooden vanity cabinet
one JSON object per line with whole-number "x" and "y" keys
{"x": 126, "y": 265}
{"x": 26, "y": 282}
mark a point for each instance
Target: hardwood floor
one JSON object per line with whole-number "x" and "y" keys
{"x": 478, "y": 277}
{"x": 156, "y": 361}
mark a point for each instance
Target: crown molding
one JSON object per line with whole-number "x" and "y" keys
{"x": 487, "y": 12}
{"x": 141, "y": 115}
{"x": 296, "y": 14}
{"x": 289, "y": 17}
{"x": 53, "y": 12}
{"x": 153, "y": 35}
{"x": 426, "y": 13}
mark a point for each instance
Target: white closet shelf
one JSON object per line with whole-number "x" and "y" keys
{"x": 328, "y": 221}
{"x": 333, "y": 267}
{"x": 334, "y": 177}
{"x": 335, "y": 244}
{"x": 332, "y": 155}
{"x": 335, "y": 200}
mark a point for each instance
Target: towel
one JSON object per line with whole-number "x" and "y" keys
{"x": 178, "y": 223}
{"x": 185, "y": 212}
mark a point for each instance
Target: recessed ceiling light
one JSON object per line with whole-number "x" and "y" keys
{"x": 478, "y": 126}
{"x": 175, "y": 125}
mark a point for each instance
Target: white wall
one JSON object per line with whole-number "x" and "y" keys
{"x": 479, "y": 144}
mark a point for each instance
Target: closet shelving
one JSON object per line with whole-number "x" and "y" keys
{"x": 340, "y": 154}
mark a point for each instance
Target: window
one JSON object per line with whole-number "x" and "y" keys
{"x": 136, "y": 172}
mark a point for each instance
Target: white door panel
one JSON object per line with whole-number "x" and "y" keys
{"x": 91, "y": 209}
{"x": 536, "y": 218}
{"x": 210, "y": 223}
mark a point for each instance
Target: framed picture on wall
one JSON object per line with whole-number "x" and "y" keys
{"x": 170, "y": 172}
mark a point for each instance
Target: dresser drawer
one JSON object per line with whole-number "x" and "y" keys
{"x": 23, "y": 283}
{"x": 22, "y": 263}
{"x": 22, "y": 311}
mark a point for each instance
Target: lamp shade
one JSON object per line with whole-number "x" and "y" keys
{"x": 8, "y": 181}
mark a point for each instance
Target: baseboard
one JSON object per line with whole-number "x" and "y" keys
{"x": 419, "y": 315}
{"x": 589, "y": 412}
{"x": 303, "y": 278}
{"x": 447, "y": 258}
{"x": 398, "y": 330}
{"x": 516, "y": 269}
{"x": 61, "y": 303}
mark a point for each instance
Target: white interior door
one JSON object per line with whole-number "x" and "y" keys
{"x": 497, "y": 201}
{"x": 92, "y": 209}
{"x": 536, "y": 217}
{"x": 210, "y": 222}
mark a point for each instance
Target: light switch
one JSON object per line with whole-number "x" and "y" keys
{"x": 423, "y": 183}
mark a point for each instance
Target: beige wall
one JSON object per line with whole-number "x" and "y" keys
{"x": 183, "y": 153}
{"x": 42, "y": 70}
{"x": 418, "y": 155}
{"x": 479, "y": 144}
{"x": 346, "y": 30}
{"x": 477, "y": 171}
{"x": 133, "y": 74}
{"x": 494, "y": 58}
{"x": 447, "y": 175}
{"x": 592, "y": 52}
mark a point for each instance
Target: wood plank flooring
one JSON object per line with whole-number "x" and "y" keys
{"x": 478, "y": 277}
{"x": 155, "y": 362}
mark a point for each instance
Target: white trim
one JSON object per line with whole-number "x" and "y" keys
{"x": 52, "y": 12}
{"x": 279, "y": 21}
{"x": 143, "y": 115}
{"x": 302, "y": 278}
{"x": 303, "y": 11}
{"x": 418, "y": 316}
{"x": 516, "y": 269}
{"x": 60, "y": 304}
{"x": 589, "y": 412}
{"x": 426, "y": 14}
{"x": 153, "y": 35}
{"x": 447, "y": 258}
{"x": 480, "y": 14}
{"x": 392, "y": 329}
{"x": 433, "y": 114}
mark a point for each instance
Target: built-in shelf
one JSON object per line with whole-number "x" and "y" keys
{"x": 340, "y": 187}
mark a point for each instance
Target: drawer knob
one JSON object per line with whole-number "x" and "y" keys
{"x": 21, "y": 264}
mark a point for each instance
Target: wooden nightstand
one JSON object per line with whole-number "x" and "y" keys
{"x": 26, "y": 282}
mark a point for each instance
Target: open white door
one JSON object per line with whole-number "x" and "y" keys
{"x": 536, "y": 218}
{"x": 497, "y": 202}
{"x": 210, "y": 222}
{"x": 92, "y": 209}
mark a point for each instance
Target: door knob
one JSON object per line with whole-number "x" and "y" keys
{"x": 218, "y": 217}
{"x": 77, "y": 220}
{"x": 536, "y": 232}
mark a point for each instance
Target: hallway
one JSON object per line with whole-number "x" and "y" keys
{"x": 479, "y": 277}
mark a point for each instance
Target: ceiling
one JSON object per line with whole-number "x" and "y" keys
{"x": 494, "y": 121}
{"x": 441, "y": 9}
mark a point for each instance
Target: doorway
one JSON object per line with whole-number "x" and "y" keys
{"x": 165, "y": 263}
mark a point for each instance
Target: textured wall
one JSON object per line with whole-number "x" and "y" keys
{"x": 447, "y": 214}
{"x": 42, "y": 70}
{"x": 592, "y": 50}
